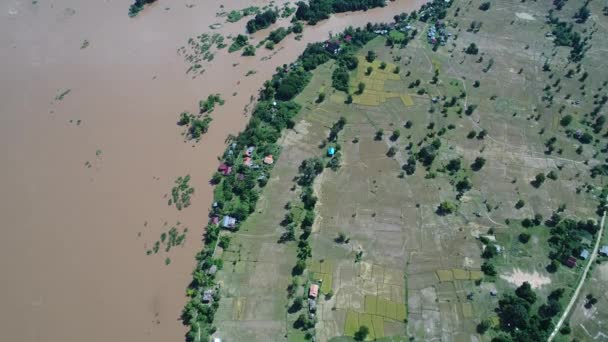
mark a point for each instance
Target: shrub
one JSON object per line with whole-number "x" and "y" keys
{"x": 472, "y": 49}
{"x": 485, "y": 6}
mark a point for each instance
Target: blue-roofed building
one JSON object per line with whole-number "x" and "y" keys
{"x": 604, "y": 250}
{"x": 228, "y": 222}
{"x": 584, "y": 254}
{"x": 331, "y": 151}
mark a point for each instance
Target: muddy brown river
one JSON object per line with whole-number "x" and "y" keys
{"x": 85, "y": 175}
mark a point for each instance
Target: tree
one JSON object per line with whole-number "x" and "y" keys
{"x": 396, "y": 134}
{"x": 478, "y": 163}
{"x": 362, "y": 333}
{"x": 454, "y": 165}
{"x": 476, "y": 84}
{"x": 483, "y": 326}
{"x": 383, "y": 65}
{"x": 489, "y": 252}
{"x": 341, "y": 238}
{"x": 552, "y": 175}
{"x": 249, "y": 50}
{"x": 321, "y": 97}
{"x": 391, "y": 151}
{"x": 485, "y": 6}
{"x": 371, "y": 55}
{"x": 361, "y": 88}
{"x": 299, "y": 268}
{"x": 379, "y": 134}
{"x": 538, "y": 180}
{"x": 446, "y": 208}
{"x": 488, "y": 269}
{"x": 472, "y": 49}
{"x": 349, "y": 99}
{"x": 524, "y": 237}
{"x": 513, "y": 313}
{"x": 566, "y": 120}
{"x": 296, "y": 305}
{"x": 470, "y": 109}
{"x": 525, "y": 292}
{"x": 520, "y": 204}
{"x": 369, "y": 70}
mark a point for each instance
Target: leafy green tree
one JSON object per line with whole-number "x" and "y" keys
{"x": 488, "y": 269}
{"x": 361, "y": 87}
{"x": 485, "y": 6}
{"x": 396, "y": 134}
{"x": 538, "y": 180}
{"x": 362, "y": 333}
{"x": 383, "y": 65}
{"x": 371, "y": 55}
{"x": 524, "y": 237}
{"x": 446, "y": 208}
{"x": 483, "y": 326}
{"x": 472, "y": 49}
{"x": 249, "y": 50}
{"x": 454, "y": 165}
{"x": 379, "y": 134}
{"x": 525, "y": 292}
{"x": 478, "y": 163}
{"x": 369, "y": 70}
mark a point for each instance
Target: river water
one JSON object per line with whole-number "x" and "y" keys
{"x": 84, "y": 178}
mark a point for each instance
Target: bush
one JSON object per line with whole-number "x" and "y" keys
{"x": 524, "y": 237}
{"x": 472, "y": 49}
{"x": 261, "y": 21}
{"x": 478, "y": 163}
{"x": 485, "y": 6}
{"x": 249, "y": 50}
{"x": 371, "y": 55}
{"x": 566, "y": 120}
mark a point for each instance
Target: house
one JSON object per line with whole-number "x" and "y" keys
{"x": 331, "y": 151}
{"x": 493, "y": 293}
{"x": 584, "y": 254}
{"x": 312, "y": 305}
{"x": 604, "y": 250}
{"x": 268, "y": 159}
{"x": 224, "y": 169}
{"x": 332, "y": 47}
{"x": 240, "y": 176}
{"x": 247, "y": 161}
{"x": 571, "y": 261}
{"x": 215, "y": 220}
{"x": 228, "y": 222}
{"x": 208, "y": 296}
{"x": 313, "y": 292}
{"x": 217, "y": 339}
{"x": 249, "y": 151}
{"x": 348, "y": 38}
{"x": 212, "y": 269}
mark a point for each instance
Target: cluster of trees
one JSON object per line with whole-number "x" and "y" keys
{"x": 197, "y": 124}
{"x": 262, "y": 20}
{"x": 488, "y": 254}
{"x": 427, "y": 154}
{"x": 340, "y": 76}
{"x": 519, "y": 321}
{"x": 279, "y": 34}
{"x": 566, "y": 36}
{"x": 565, "y": 239}
{"x": 207, "y": 106}
{"x": 317, "y": 10}
{"x": 137, "y": 6}
{"x": 432, "y": 11}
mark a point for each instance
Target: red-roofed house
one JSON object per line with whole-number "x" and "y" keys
{"x": 571, "y": 261}
{"x": 247, "y": 161}
{"x": 314, "y": 291}
{"x": 215, "y": 220}
{"x": 224, "y": 169}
